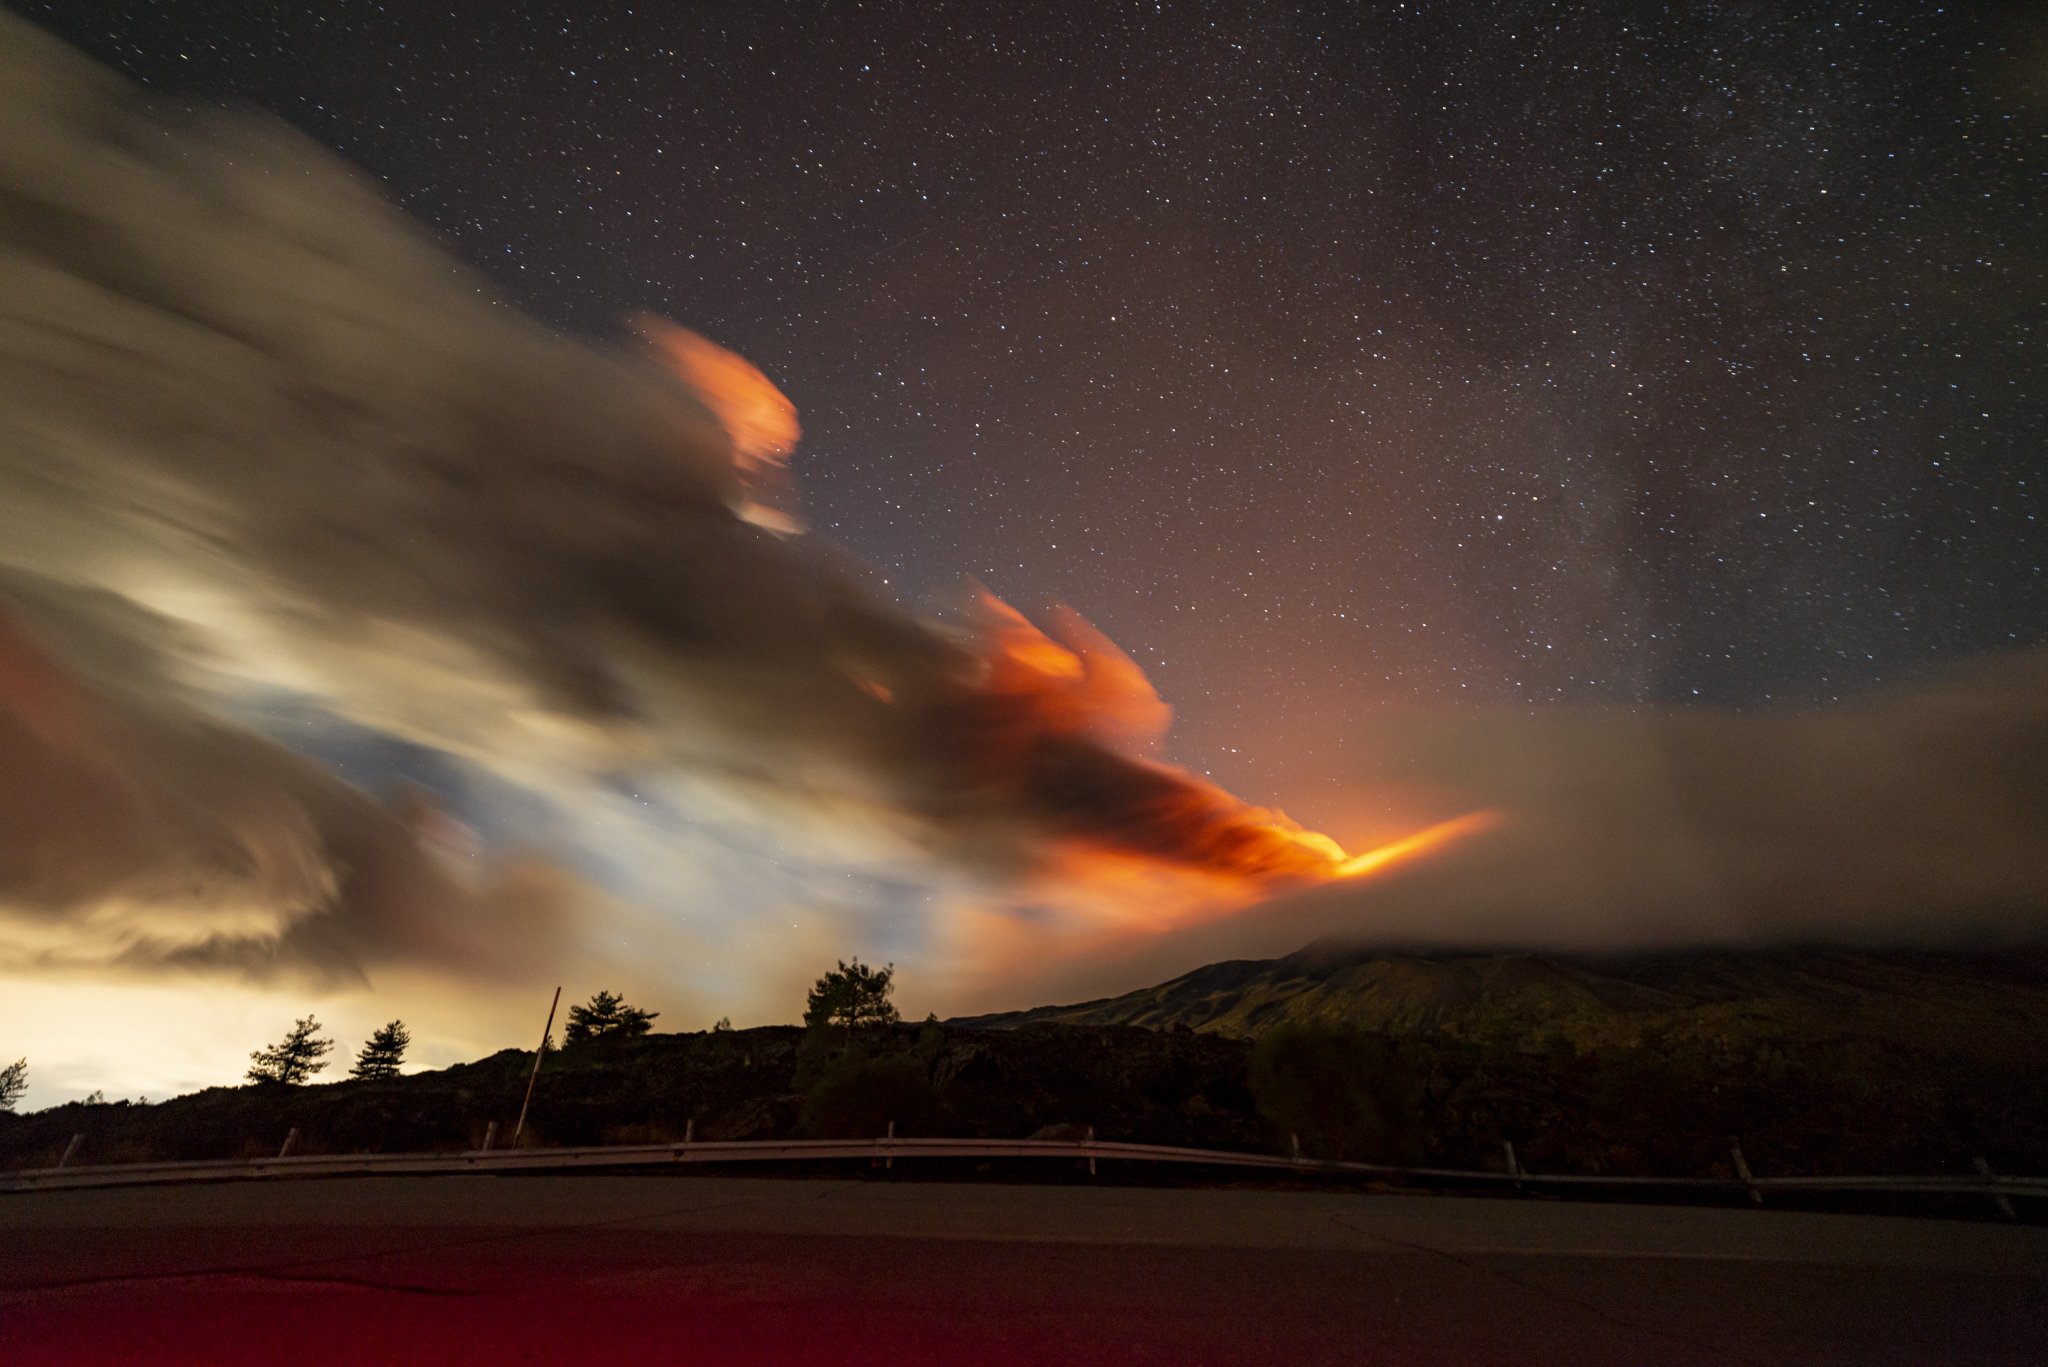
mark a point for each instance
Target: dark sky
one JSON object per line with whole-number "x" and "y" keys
{"x": 1325, "y": 357}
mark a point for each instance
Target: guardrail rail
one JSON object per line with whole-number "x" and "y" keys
{"x": 887, "y": 1149}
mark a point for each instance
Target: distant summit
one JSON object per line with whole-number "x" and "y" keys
{"x": 1913, "y": 996}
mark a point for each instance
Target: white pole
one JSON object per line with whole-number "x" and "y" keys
{"x": 534, "y": 1076}
{"x": 2004, "y": 1206}
{"x": 290, "y": 1137}
{"x": 1742, "y": 1168}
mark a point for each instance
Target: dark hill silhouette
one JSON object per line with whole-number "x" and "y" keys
{"x": 1915, "y": 997}
{"x": 1819, "y": 1061}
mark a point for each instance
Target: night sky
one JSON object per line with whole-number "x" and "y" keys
{"x": 1324, "y": 357}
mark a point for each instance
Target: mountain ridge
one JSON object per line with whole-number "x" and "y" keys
{"x": 1912, "y": 995}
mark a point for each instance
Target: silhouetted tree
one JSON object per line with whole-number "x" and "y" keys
{"x": 296, "y": 1058}
{"x": 845, "y": 1000}
{"x": 380, "y": 1056}
{"x": 852, "y": 996}
{"x": 13, "y": 1082}
{"x": 606, "y": 1014}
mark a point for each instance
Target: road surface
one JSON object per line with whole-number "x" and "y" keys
{"x": 629, "y": 1270}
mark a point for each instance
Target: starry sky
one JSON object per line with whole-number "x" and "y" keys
{"x": 1327, "y": 357}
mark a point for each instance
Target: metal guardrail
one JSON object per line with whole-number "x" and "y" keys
{"x": 818, "y": 1150}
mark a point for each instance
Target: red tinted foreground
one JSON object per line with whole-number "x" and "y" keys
{"x": 626, "y": 1270}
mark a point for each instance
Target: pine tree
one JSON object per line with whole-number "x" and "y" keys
{"x": 301, "y": 1054}
{"x": 380, "y": 1057}
{"x": 606, "y": 1014}
{"x": 13, "y": 1082}
{"x": 852, "y": 996}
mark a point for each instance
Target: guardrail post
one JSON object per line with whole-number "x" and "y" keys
{"x": 690, "y": 1130}
{"x": 1294, "y": 1148}
{"x": 1514, "y": 1168}
{"x": 70, "y": 1150}
{"x": 1742, "y": 1170}
{"x": 490, "y": 1136}
{"x": 2004, "y": 1205}
{"x": 291, "y": 1137}
{"x": 890, "y": 1138}
{"x": 1091, "y": 1157}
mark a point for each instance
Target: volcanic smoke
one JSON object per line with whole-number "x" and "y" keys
{"x": 260, "y": 436}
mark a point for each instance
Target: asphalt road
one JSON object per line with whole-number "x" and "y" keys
{"x": 629, "y": 1270}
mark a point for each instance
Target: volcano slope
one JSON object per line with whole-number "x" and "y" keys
{"x": 1820, "y": 1062}
{"x": 1825, "y": 1060}
{"x": 1920, "y": 999}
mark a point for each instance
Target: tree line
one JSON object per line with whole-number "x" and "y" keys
{"x": 1340, "y": 1092}
{"x": 851, "y": 996}
{"x": 844, "y": 1001}
{"x": 1336, "y": 1091}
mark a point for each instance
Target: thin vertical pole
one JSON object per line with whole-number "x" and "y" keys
{"x": 534, "y": 1076}
{"x": 290, "y": 1137}
{"x": 1742, "y": 1171}
{"x": 2004, "y": 1206}
{"x": 70, "y": 1150}
{"x": 490, "y": 1136}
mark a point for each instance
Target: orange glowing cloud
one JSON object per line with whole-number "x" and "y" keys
{"x": 1052, "y": 726}
{"x": 1090, "y": 907}
{"x": 1074, "y": 681}
{"x": 758, "y": 417}
{"x": 1422, "y": 842}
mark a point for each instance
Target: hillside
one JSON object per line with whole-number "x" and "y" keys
{"x": 1817, "y": 1061}
{"x": 1165, "y": 1087}
{"x": 1926, "y": 999}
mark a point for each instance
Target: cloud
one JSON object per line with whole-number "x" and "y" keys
{"x": 1916, "y": 815}
{"x": 140, "y": 833}
{"x": 259, "y": 429}
{"x": 241, "y": 389}
{"x": 261, "y": 435}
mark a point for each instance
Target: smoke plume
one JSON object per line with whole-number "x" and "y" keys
{"x": 1917, "y": 815}
{"x": 259, "y": 434}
